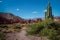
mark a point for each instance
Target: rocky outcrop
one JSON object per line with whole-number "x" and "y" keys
{"x": 34, "y": 20}
{"x": 57, "y": 19}
{"x": 8, "y": 18}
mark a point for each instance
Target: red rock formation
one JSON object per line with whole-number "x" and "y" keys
{"x": 57, "y": 19}
{"x": 34, "y": 20}
{"x": 4, "y": 20}
{"x": 38, "y": 20}
{"x": 8, "y": 18}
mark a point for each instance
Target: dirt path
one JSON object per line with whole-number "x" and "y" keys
{"x": 22, "y": 36}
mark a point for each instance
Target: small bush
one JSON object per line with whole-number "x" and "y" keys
{"x": 47, "y": 28}
{"x": 17, "y": 27}
{"x": 3, "y": 26}
{"x": 2, "y": 36}
{"x": 34, "y": 29}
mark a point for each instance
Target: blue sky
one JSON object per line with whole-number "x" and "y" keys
{"x": 29, "y": 8}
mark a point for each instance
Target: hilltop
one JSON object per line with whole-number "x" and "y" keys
{"x": 9, "y": 18}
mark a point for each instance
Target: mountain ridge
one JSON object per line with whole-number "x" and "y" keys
{"x": 9, "y": 18}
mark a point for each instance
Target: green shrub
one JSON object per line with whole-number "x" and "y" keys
{"x": 3, "y": 26}
{"x": 43, "y": 32}
{"x": 34, "y": 29}
{"x": 47, "y": 28}
{"x": 17, "y": 27}
{"x": 53, "y": 35}
{"x": 2, "y": 36}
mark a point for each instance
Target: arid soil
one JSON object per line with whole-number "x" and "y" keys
{"x": 21, "y": 35}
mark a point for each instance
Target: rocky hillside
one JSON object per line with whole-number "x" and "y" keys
{"x": 8, "y": 18}
{"x": 57, "y": 19}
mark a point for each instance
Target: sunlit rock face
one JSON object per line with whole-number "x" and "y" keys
{"x": 57, "y": 19}
{"x": 36, "y": 20}
{"x": 8, "y": 18}
{"x": 3, "y": 20}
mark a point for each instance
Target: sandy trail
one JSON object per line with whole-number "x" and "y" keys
{"x": 21, "y": 36}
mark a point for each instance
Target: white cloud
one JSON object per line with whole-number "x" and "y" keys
{"x": 35, "y": 12}
{"x": 0, "y": 1}
{"x": 45, "y": 10}
{"x": 18, "y": 9}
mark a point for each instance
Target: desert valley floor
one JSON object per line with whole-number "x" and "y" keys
{"x": 21, "y": 35}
